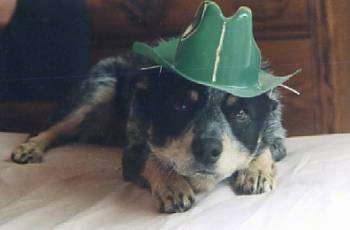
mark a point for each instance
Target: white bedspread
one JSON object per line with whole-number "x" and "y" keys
{"x": 80, "y": 187}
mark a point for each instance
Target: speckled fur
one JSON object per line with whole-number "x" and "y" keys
{"x": 120, "y": 104}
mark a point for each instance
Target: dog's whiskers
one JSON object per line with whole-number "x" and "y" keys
{"x": 290, "y": 89}
{"x": 151, "y": 67}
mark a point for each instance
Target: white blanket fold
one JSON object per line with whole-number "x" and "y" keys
{"x": 80, "y": 187}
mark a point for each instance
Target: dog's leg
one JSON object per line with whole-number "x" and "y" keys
{"x": 32, "y": 150}
{"x": 102, "y": 92}
{"x": 259, "y": 177}
{"x": 172, "y": 190}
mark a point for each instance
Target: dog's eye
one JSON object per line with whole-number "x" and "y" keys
{"x": 241, "y": 116}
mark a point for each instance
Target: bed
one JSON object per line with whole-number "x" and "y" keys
{"x": 80, "y": 187}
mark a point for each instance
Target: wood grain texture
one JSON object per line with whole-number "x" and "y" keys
{"x": 338, "y": 26}
{"x": 119, "y": 22}
{"x": 286, "y": 56}
{"x": 28, "y": 117}
{"x": 321, "y": 67}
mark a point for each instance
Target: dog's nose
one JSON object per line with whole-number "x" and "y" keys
{"x": 207, "y": 150}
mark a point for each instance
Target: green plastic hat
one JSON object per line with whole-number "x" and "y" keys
{"x": 216, "y": 51}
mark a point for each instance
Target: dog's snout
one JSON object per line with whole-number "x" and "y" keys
{"x": 207, "y": 150}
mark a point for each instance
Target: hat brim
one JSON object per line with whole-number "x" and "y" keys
{"x": 163, "y": 55}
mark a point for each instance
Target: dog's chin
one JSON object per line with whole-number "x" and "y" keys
{"x": 195, "y": 171}
{"x": 190, "y": 168}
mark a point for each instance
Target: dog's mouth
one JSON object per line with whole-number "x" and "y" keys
{"x": 196, "y": 171}
{"x": 205, "y": 172}
{"x": 189, "y": 168}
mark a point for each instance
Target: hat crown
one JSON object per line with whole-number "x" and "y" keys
{"x": 219, "y": 49}
{"x": 216, "y": 51}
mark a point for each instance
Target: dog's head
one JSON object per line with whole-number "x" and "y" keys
{"x": 201, "y": 131}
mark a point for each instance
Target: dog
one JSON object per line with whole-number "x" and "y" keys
{"x": 180, "y": 138}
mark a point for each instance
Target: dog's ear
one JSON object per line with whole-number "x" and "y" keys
{"x": 265, "y": 104}
{"x": 273, "y": 104}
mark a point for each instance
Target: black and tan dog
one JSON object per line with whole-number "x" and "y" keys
{"x": 181, "y": 138}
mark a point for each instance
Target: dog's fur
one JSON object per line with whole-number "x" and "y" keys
{"x": 180, "y": 138}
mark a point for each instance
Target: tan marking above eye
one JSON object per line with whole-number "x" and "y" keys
{"x": 141, "y": 85}
{"x": 231, "y": 100}
{"x": 194, "y": 95}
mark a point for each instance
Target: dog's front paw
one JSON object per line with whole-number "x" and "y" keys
{"x": 174, "y": 194}
{"x": 28, "y": 152}
{"x": 253, "y": 181}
